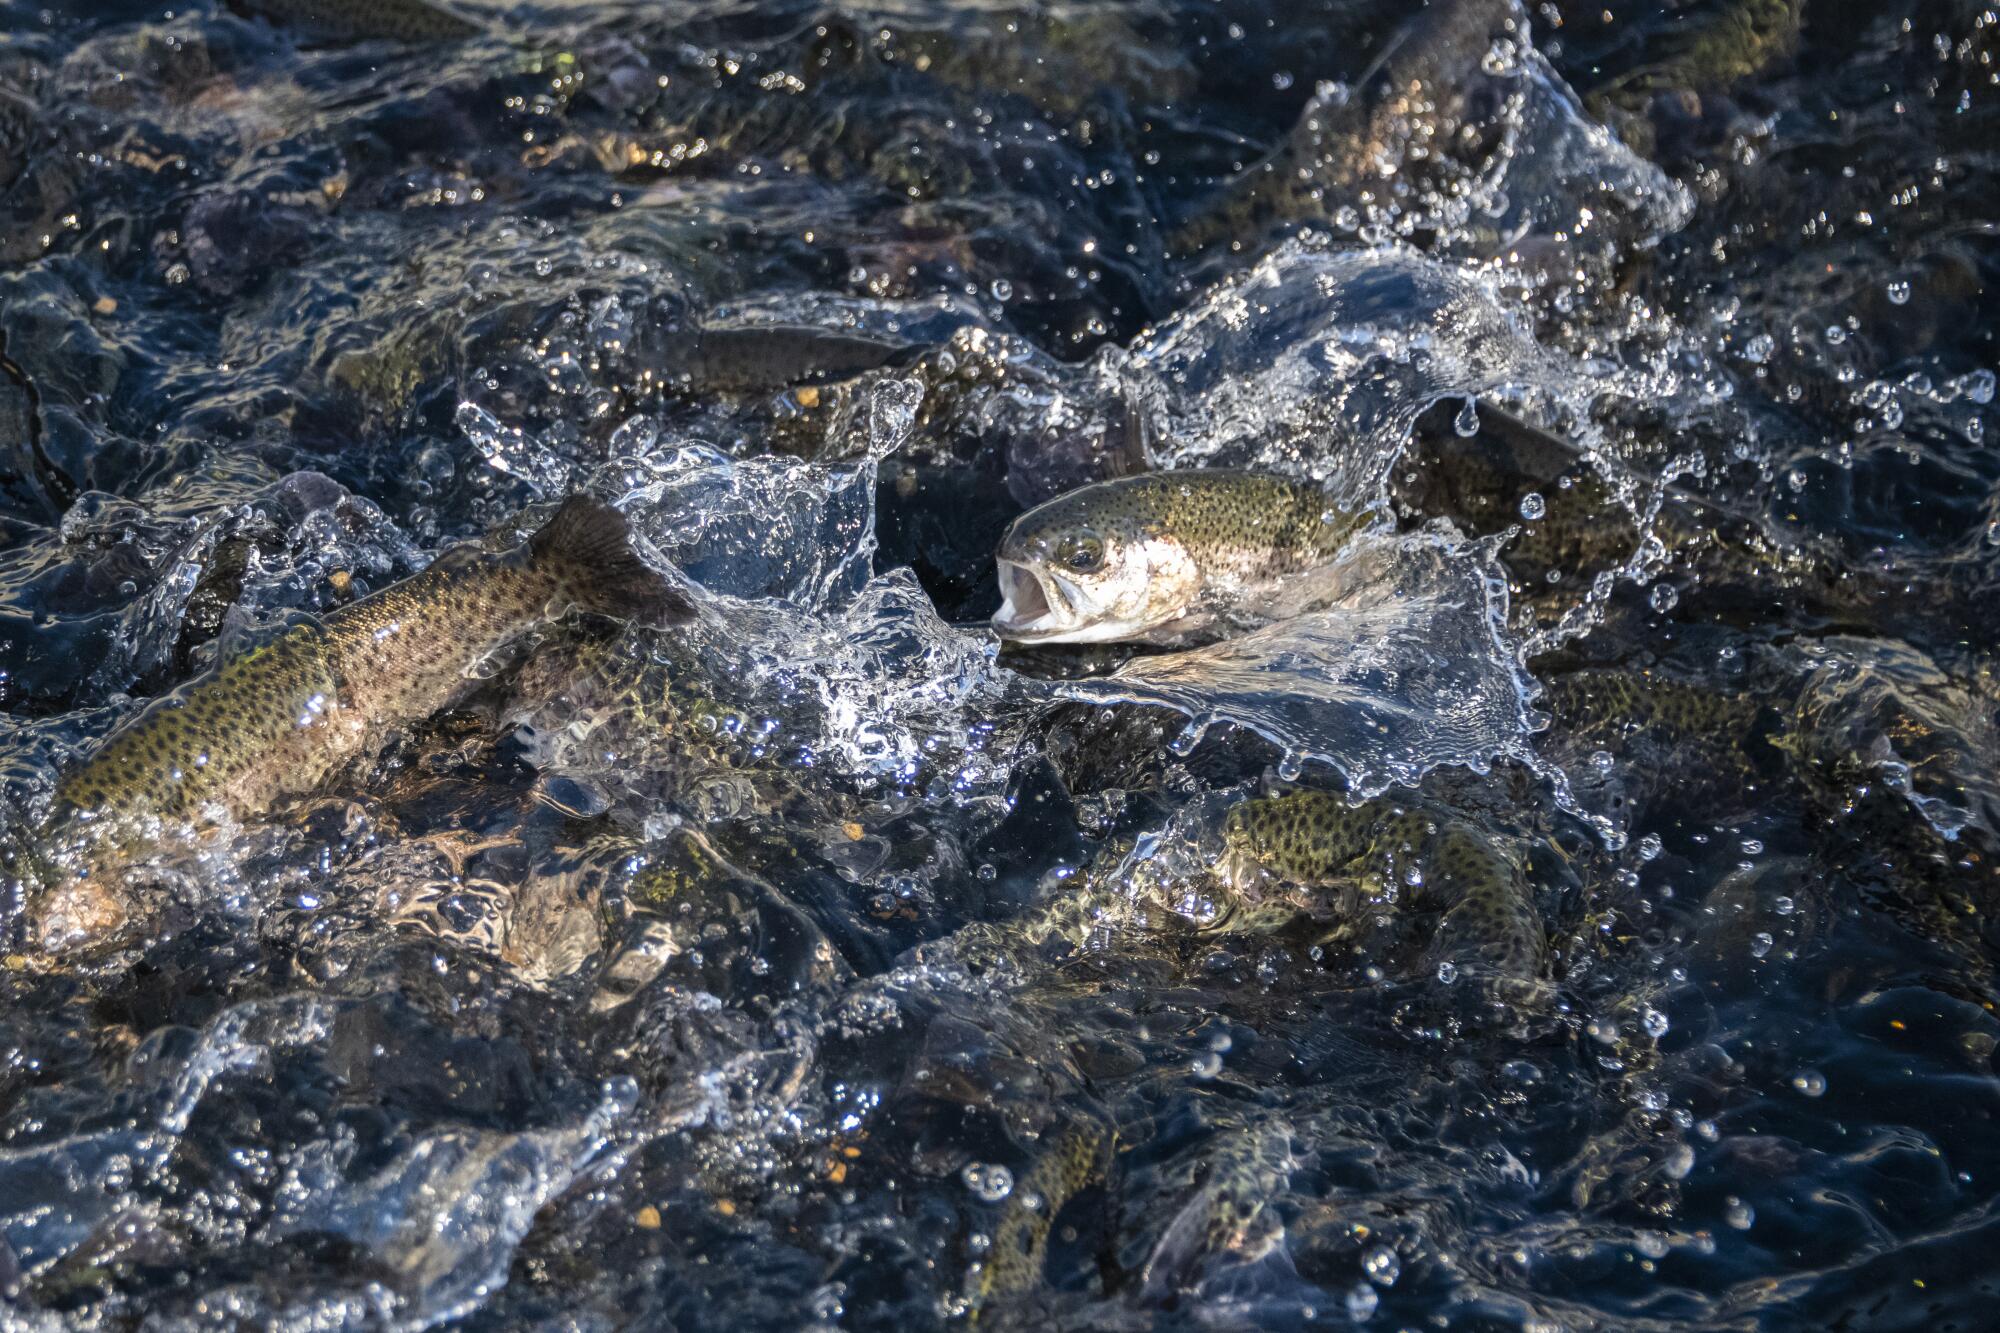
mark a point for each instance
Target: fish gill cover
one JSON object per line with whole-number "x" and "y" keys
{"x": 1566, "y": 907}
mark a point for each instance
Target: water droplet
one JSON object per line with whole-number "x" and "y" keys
{"x": 1655, "y": 1023}
{"x": 1899, "y": 293}
{"x": 1649, "y": 847}
{"x": 1447, "y": 972}
{"x": 1466, "y": 423}
{"x": 1664, "y": 597}
{"x": 1738, "y": 1213}
{"x": 990, "y": 1183}
{"x": 1382, "y": 1265}
{"x": 1784, "y": 906}
{"x": 1003, "y": 290}
{"x": 1533, "y": 506}
{"x": 1361, "y": 1302}
{"x": 1809, "y": 1083}
{"x": 1760, "y": 944}
{"x": 1206, "y": 1065}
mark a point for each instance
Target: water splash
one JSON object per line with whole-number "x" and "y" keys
{"x": 1411, "y": 668}
{"x": 443, "y": 1217}
{"x": 1318, "y": 363}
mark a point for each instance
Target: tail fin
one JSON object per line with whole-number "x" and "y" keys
{"x": 588, "y": 547}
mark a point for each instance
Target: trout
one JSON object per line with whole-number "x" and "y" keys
{"x": 358, "y": 20}
{"x": 1162, "y": 555}
{"x": 1490, "y": 924}
{"x": 277, "y": 720}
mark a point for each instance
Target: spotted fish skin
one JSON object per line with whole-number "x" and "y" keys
{"x": 1080, "y": 1156}
{"x": 393, "y": 20}
{"x": 1228, "y": 1221}
{"x": 1600, "y": 703}
{"x": 1316, "y": 840}
{"x": 1428, "y": 100}
{"x": 277, "y": 720}
{"x": 1714, "y": 49}
{"x": 1161, "y": 554}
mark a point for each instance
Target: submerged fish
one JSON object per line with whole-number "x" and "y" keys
{"x": 1229, "y": 1222}
{"x": 1490, "y": 924}
{"x": 1079, "y": 1154}
{"x": 1428, "y": 115}
{"x": 1711, "y": 48}
{"x": 278, "y": 719}
{"x": 1159, "y": 556}
{"x": 393, "y": 20}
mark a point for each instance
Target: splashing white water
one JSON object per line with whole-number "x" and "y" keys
{"x": 1409, "y": 670}
{"x": 1318, "y": 363}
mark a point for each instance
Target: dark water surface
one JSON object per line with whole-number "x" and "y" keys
{"x": 840, "y": 970}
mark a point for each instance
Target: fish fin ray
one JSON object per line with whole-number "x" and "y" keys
{"x": 589, "y": 545}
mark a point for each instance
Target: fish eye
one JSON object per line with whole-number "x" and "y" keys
{"x": 1083, "y": 554}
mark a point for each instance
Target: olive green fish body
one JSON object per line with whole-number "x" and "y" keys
{"x": 660, "y": 730}
{"x": 1426, "y": 113}
{"x": 232, "y": 737}
{"x": 1705, "y": 745}
{"x": 1715, "y": 49}
{"x": 1602, "y": 702}
{"x": 1316, "y": 840}
{"x": 1079, "y": 1156}
{"x": 279, "y": 719}
{"x": 1160, "y": 554}
{"x": 1229, "y": 1220}
{"x": 393, "y": 20}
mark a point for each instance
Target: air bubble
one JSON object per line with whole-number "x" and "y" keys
{"x": 1382, "y": 1265}
{"x": 1533, "y": 506}
{"x": 989, "y": 1183}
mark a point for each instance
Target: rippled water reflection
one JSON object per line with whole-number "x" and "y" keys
{"x": 826, "y": 964}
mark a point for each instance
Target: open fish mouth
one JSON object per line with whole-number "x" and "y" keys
{"x": 1027, "y": 611}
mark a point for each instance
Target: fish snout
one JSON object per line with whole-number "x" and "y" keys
{"x": 1026, "y": 608}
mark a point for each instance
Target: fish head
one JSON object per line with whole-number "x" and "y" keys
{"x": 1244, "y": 850}
{"x": 1093, "y": 566}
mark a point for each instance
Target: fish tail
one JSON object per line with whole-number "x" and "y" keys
{"x": 587, "y": 547}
